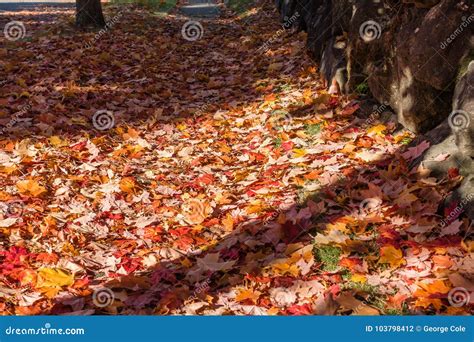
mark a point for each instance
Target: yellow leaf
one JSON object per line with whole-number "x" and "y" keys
{"x": 401, "y": 137}
{"x": 50, "y": 292}
{"x": 104, "y": 56}
{"x": 224, "y": 148}
{"x": 222, "y": 198}
{"x": 248, "y": 294}
{"x": 127, "y": 184}
{"x": 198, "y": 228}
{"x": 301, "y": 134}
{"x": 308, "y": 93}
{"x": 8, "y": 169}
{"x": 452, "y": 311}
{"x": 285, "y": 268}
{"x": 21, "y": 82}
{"x": 426, "y": 302}
{"x": 437, "y": 286}
{"x": 131, "y": 134}
{"x": 55, "y": 141}
{"x": 348, "y": 148}
{"x": 135, "y": 148}
{"x": 273, "y": 311}
{"x": 376, "y": 130}
{"x": 30, "y": 187}
{"x": 239, "y": 175}
{"x": 391, "y": 255}
{"x": 228, "y": 222}
{"x": 255, "y": 207}
{"x": 342, "y": 224}
{"x": 359, "y": 278}
{"x": 54, "y": 277}
{"x": 299, "y": 152}
{"x": 186, "y": 263}
{"x": 181, "y": 127}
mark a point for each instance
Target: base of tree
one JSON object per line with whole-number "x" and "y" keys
{"x": 89, "y": 14}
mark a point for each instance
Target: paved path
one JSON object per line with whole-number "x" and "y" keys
{"x": 193, "y": 8}
{"x": 201, "y": 8}
{"x": 26, "y": 5}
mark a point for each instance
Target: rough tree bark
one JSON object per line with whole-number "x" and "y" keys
{"x": 89, "y": 14}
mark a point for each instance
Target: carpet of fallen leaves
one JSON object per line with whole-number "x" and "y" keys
{"x": 230, "y": 183}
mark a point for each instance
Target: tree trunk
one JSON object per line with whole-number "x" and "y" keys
{"x": 89, "y": 14}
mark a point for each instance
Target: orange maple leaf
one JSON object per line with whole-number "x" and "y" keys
{"x": 248, "y": 294}
{"x": 30, "y": 187}
{"x": 391, "y": 255}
